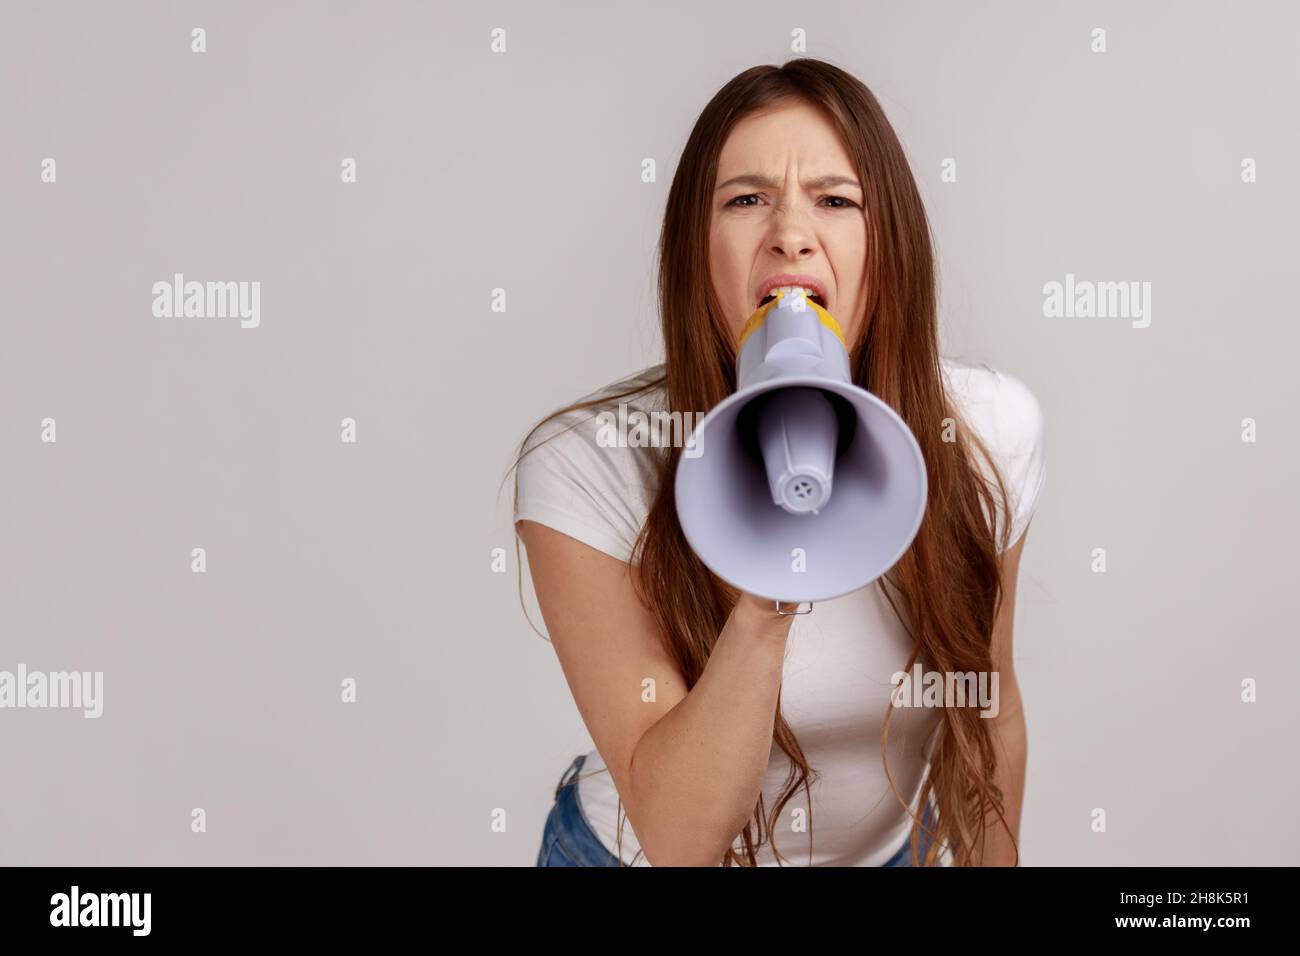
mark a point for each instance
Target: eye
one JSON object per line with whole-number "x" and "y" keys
{"x": 847, "y": 203}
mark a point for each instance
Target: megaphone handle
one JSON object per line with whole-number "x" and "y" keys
{"x": 792, "y": 613}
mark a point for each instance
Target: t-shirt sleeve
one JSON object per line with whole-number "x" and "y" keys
{"x": 1020, "y": 446}
{"x": 568, "y": 482}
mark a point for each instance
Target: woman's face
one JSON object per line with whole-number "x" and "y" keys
{"x": 785, "y": 213}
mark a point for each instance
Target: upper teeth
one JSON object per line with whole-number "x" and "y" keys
{"x": 787, "y": 289}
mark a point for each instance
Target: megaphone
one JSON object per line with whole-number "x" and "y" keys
{"x": 800, "y": 486}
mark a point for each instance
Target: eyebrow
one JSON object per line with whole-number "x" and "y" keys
{"x": 819, "y": 182}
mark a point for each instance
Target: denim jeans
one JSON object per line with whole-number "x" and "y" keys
{"x": 568, "y": 839}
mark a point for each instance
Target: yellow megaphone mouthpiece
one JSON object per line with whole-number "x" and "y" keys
{"x": 760, "y": 315}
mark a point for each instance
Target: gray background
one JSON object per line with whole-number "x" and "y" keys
{"x": 522, "y": 171}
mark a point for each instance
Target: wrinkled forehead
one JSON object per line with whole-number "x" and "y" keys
{"x": 770, "y": 145}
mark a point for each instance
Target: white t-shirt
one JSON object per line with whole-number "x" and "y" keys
{"x": 840, "y": 659}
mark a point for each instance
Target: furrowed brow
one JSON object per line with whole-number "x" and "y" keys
{"x": 766, "y": 182}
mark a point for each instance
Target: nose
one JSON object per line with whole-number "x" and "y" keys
{"x": 791, "y": 236}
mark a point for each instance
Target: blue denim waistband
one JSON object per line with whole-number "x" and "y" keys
{"x": 568, "y": 829}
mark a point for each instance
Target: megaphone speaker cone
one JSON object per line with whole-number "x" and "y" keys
{"x": 800, "y": 486}
{"x": 727, "y": 513}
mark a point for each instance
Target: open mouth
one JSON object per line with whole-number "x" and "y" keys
{"x": 812, "y": 296}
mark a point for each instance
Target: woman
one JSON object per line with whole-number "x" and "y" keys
{"x": 727, "y": 733}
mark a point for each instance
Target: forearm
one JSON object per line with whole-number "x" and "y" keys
{"x": 1011, "y": 743}
{"x": 696, "y": 774}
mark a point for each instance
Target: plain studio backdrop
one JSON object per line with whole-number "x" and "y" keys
{"x": 372, "y": 561}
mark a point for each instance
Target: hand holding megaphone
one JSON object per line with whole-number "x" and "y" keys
{"x": 800, "y": 486}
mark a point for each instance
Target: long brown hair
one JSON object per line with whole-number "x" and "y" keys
{"x": 948, "y": 582}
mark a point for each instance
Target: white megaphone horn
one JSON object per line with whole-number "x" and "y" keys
{"x": 800, "y": 486}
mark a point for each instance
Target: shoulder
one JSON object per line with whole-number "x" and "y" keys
{"x": 1001, "y": 406}
{"x": 575, "y": 475}
{"x": 587, "y": 431}
{"x": 1009, "y": 419}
